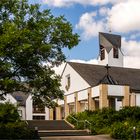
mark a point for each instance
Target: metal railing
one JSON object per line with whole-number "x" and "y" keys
{"x": 85, "y": 122}
{"x": 89, "y": 123}
{"x": 74, "y": 120}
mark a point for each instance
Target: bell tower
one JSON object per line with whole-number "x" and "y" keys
{"x": 110, "y": 50}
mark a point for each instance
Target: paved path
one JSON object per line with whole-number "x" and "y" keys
{"x": 97, "y": 137}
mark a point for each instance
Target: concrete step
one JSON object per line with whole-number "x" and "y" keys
{"x": 50, "y": 128}
{"x": 50, "y": 125}
{"x": 63, "y": 133}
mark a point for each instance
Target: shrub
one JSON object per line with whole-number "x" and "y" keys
{"x": 8, "y": 113}
{"x": 108, "y": 121}
{"x": 11, "y": 127}
{"x": 16, "y": 130}
{"x": 122, "y": 130}
{"x": 129, "y": 112}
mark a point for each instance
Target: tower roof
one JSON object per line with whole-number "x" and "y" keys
{"x": 109, "y": 41}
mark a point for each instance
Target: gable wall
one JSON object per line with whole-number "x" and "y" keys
{"x": 77, "y": 83}
{"x": 9, "y": 98}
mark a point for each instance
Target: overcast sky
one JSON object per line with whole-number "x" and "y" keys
{"x": 89, "y": 17}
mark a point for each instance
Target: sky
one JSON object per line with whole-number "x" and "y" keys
{"x": 89, "y": 17}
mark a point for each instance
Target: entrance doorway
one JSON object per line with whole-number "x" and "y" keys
{"x": 112, "y": 102}
{"x": 54, "y": 114}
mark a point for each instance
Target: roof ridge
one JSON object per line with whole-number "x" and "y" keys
{"x": 101, "y": 65}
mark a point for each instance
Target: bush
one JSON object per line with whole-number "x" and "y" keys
{"x": 8, "y": 113}
{"x": 16, "y": 130}
{"x": 11, "y": 127}
{"x": 121, "y": 130}
{"x": 129, "y": 112}
{"x": 108, "y": 121}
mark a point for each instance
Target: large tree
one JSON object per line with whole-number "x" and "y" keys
{"x": 31, "y": 43}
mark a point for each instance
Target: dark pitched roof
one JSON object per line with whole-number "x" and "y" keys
{"x": 20, "y": 97}
{"x": 107, "y": 79}
{"x": 93, "y": 74}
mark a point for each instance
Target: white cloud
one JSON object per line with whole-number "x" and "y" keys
{"x": 132, "y": 62}
{"x": 66, "y": 3}
{"x": 103, "y": 11}
{"x": 124, "y": 16}
{"x": 92, "y": 61}
{"x": 134, "y": 36}
{"x": 58, "y": 70}
{"x": 89, "y": 26}
{"x": 131, "y": 47}
{"x": 131, "y": 50}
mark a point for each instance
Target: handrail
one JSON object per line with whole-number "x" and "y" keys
{"x": 89, "y": 124}
{"x": 74, "y": 119}
{"x": 84, "y": 121}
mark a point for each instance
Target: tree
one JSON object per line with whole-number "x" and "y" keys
{"x": 31, "y": 43}
{"x": 8, "y": 113}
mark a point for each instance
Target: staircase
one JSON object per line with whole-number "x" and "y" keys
{"x": 50, "y": 128}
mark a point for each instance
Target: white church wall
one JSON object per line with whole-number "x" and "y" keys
{"x": 22, "y": 112}
{"x": 60, "y": 102}
{"x": 118, "y": 104}
{"x": 95, "y": 92}
{"x": 104, "y": 61}
{"x": 71, "y": 98}
{"x": 46, "y": 113}
{"x": 110, "y": 60}
{"x": 115, "y": 90}
{"x": 9, "y": 98}
{"x": 83, "y": 95}
{"x": 117, "y": 62}
{"x": 138, "y": 99}
{"x": 29, "y": 108}
{"x": 76, "y": 81}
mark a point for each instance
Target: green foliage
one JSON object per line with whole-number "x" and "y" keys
{"x": 119, "y": 124}
{"x": 122, "y": 130}
{"x": 129, "y": 112}
{"x": 30, "y": 38}
{"x": 11, "y": 127}
{"x": 16, "y": 130}
{"x": 8, "y": 113}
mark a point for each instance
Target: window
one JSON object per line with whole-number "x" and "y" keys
{"x": 20, "y": 113}
{"x": 38, "y": 117}
{"x": 102, "y": 52}
{"x": 115, "y": 52}
{"x": 67, "y": 82}
{"x": 38, "y": 108}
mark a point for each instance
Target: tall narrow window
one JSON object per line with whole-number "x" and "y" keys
{"x": 115, "y": 52}
{"x": 102, "y": 52}
{"x": 67, "y": 82}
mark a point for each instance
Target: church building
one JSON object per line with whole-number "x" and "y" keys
{"x": 91, "y": 87}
